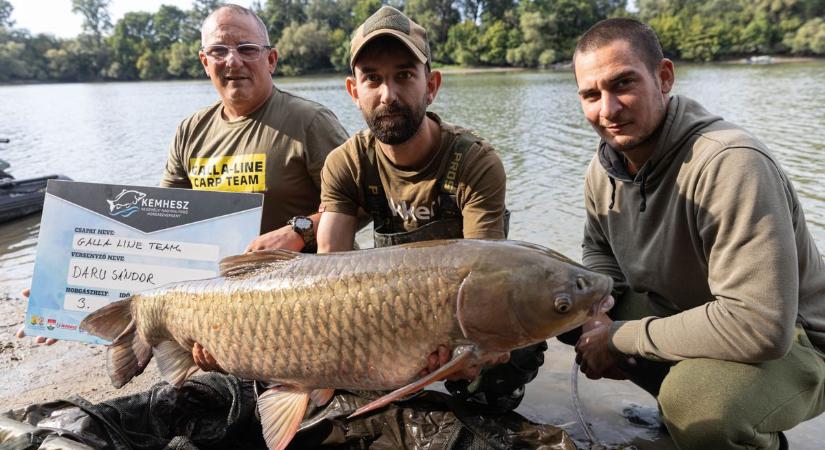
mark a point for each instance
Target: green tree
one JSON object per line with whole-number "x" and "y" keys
{"x": 96, "y": 21}
{"x": 279, "y": 14}
{"x": 131, "y": 38}
{"x": 495, "y": 41}
{"x": 536, "y": 49}
{"x": 334, "y": 14}
{"x": 493, "y": 10}
{"x": 340, "y": 41}
{"x": 152, "y": 64}
{"x": 96, "y": 18}
{"x": 436, "y": 16}
{"x": 809, "y": 39}
{"x": 167, "y": 26}
{"x": 305, "y": 47}
{"x": 5, "y": 14}
{"x": 463, "y": 44}
{"x": 36, "y": 48}
{"x": 670, "y": 30}
{"x": 363, "y": 9}
{"x": 12, "y": 59}
{"x": 184, "y": 61}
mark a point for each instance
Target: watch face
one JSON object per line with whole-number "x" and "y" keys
{"x": 303, "y": 223}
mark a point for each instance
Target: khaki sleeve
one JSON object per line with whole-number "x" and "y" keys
{"x": 481, "y": 194}
{"x": 597, "y": 254}
{"x": 340, "y": 182}
{"x": 744, "y": 216}
{"x": 324, "y": 134}
{"x": 175, "y": 173}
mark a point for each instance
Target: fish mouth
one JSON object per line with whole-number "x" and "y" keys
{"x": 602, "y": 306}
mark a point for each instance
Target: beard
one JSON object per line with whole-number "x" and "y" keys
{"x": 398, "y": 128}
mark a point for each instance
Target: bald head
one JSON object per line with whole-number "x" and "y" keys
{"x": 208, "y": 23}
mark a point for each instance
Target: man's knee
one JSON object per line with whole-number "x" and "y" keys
{"x": 701, "y": 411}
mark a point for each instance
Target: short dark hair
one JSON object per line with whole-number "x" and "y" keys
{"x": 639, "y": 35}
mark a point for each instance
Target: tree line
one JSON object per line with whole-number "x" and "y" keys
{"x": 313, "y": 35}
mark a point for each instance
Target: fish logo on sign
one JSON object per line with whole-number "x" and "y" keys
{"x": 126, "y": 203}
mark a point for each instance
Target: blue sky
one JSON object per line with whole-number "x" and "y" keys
{"x": 56, "y": 17}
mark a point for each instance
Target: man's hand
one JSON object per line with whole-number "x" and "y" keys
{"x": 204, "y": 360}
{"x": 594, "y": 355}
{"x": 443, "y": 355}
{"x": 284, "y": 237}
{"x": 21, "y": 333}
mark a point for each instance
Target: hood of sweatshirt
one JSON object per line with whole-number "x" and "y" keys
{"x": 683, "y": 119}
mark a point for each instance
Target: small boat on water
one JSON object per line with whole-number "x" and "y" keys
{"x": 20, "y": 198}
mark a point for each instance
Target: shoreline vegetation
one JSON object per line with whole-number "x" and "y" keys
{"x": 466, "y": 36}
{"x": 470, "y": 70}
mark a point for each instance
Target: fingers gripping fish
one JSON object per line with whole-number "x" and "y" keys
{"x": 365, "y": 320}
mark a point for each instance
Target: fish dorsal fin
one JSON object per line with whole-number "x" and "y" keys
{"x": 249, "y": 263}
{"x": 175, "y": 363}
{"x": 544, "y": 250}
{"x": 463, "y": 357}
{"x": 281, "y": 410}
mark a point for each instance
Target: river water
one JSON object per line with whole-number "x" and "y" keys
{"x": 120, "y": 133}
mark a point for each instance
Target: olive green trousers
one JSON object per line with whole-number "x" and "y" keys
{"x": 712, "y": 404}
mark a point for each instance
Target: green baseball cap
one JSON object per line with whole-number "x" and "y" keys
{"x": 389, "y": 21}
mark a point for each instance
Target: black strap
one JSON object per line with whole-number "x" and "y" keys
{"x": 374, "y": 196}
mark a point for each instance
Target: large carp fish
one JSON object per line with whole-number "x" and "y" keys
{"x": 364, "y": 320}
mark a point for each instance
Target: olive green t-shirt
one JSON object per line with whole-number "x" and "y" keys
{"x": 278, "y": 150}
{"x": 413, "y": 194}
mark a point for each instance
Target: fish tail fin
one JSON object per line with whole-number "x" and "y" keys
{"x": 111, "y": 205}
{"x": 175, "y": 363}
{"x": 128, "y": 354}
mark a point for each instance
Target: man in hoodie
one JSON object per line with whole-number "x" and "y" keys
{"x": 721, "y": 288}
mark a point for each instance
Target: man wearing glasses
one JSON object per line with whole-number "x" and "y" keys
{"x": 257, "y": 138}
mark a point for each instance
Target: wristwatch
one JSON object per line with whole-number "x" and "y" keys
{"x": 303, "y": 226}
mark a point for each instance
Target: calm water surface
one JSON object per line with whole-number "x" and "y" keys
{"x": 120, "y": 133}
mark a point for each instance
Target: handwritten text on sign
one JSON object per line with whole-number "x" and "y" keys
{"x": 126, "y": 276}
{"x": 146, "y": 247}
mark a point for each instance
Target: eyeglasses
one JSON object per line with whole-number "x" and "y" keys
{"x": 247, "y": 52}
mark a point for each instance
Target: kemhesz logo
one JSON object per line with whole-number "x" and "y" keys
{"x": 126, "y": 203}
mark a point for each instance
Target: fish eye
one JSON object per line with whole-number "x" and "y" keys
{"x": 562, "y": 303}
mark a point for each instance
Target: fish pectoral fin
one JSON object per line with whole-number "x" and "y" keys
{"x": 458, "y": 363}
{"x": 281, "y": 410}
{"x": 127, "y": 356}
{"x": 321, "y": 396}
{"x": 175, "y": 363}
{"x": 250, "y": 263}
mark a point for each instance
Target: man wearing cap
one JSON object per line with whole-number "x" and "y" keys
{"x": 420, "y": 178}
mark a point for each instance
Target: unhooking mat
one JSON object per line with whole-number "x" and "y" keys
{"x": 216, "y": 411}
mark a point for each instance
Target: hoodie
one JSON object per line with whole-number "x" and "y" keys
{"x": 712, "y": 230}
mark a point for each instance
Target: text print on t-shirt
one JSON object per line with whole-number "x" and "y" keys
{"x": 411, "y": 213}
{"x": 239, "y": 173}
